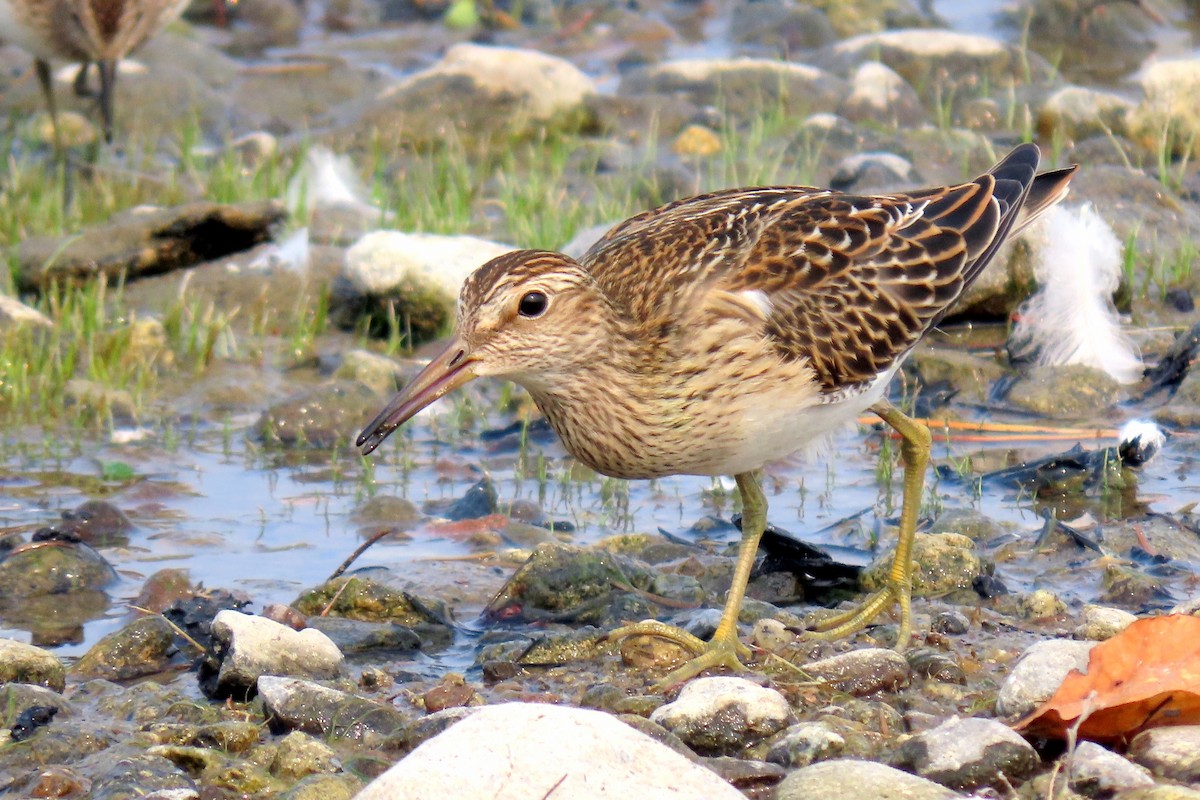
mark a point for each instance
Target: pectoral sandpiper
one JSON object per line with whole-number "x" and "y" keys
{"x": 718, "y": 333}
{"x": 84, "y": 31}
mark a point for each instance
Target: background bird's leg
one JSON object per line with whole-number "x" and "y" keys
{"x": 724, "y": 649}
{"x": 47, "y": 83}
{"x": 108, "y": 81}
{"x": 915, "y": 447}
{"x": 80, "y": 84}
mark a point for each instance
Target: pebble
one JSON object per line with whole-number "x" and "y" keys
{"x": 1101, "y": 622}
{"x": 806, "y": 743}
{"x": 1037, "y": 675}
{"x": 851, "y": 778}
{"x": 861, "y": 672}
{"x": 720, "y": 716}
{"x": 1172, "y": 753}
{"x": 968, "y": 754}
{"x": 1095, "y": 771}
{"x": 517, "y": 751}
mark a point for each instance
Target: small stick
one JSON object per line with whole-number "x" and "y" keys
{"x": 358, "y": 552}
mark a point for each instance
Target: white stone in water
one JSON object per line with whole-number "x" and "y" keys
{"x": 522, "y": 751}
{"x": 257, "y": 646}
{"x": 381, "y": 260}
{"x": 702, "y": 69}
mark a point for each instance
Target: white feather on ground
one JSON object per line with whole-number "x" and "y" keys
{"x": 1071, "y": 319}
{"x": 327, "y": 179}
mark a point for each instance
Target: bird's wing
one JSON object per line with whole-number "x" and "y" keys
{"x": 849, "y": 283}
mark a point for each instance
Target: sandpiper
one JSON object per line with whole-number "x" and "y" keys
{"x": 715, "y": 334}
{"x": 84, "y": 31}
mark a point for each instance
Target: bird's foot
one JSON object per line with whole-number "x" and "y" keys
{"x": 856, "y": 619}
{"x": 723, "y": 650}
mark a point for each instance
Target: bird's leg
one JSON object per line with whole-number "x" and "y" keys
{"x": 724, "y": 649}
{"x": 108, "y": 87}
{"x": 80, "y": 84}
{"x": 914, "y": 447}
{"x": 47, "y": 83}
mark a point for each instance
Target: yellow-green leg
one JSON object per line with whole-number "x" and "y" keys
{"x": 724, "y": 649}
{"x": 914, "y": 447}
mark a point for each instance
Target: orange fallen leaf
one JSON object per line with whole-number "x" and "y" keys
{"x": 1147, "y": 676}
{"x": 466, "y": 528}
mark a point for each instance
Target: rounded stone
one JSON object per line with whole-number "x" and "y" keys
{"x": 1038, "y": 673}
{"x": 837, "y": 780}
{"x": 720, "y": 716}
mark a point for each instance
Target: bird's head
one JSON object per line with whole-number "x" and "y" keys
{"x": 520, "y": 316}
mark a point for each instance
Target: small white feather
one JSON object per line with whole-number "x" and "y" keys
{"x": 1071, "y": 319}
{"x": 327, "y": 179}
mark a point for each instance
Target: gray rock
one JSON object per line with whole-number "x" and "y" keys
{"x": 357, "y": 636}
{"x": 1094, "y": 771}
{"x": 927, "y": 57}
{"x": 143, "y": 647}
{"x": 1037, "y": 675}
{"x": 861, "y": 672}
{"x": 968, "y": 754}
{"x": 324, "y": 787}
{"x": 246, "y": 648}
{"x": 878, "y": 94}
{"x": 295, "y": 704}
{"x": 721, "y": 716}
{"x": 529, "y": 750}
{"x": 740, "y": 86}
{"x": 299, "y": 754}
{"x": 425, "y": 728}
{"x": 1172, "y": 753}
{"x": 378, "y": 373}
{"x": 146, "y": 241}
{"x": 24, "y": 663}
{"x": 806, "y": 743}
{"x": 1066, "y": 392}
{"x": 872, "y": 172}
{"x": 1101, "y": 622}
{"x": 322, "y": 418}
{"x": 779, "y": 26}
{"x": 479, "y": 91}
{"x": 837, "y": 780}
{"x": 942, "y": 562}
{"x": 16, "y": 697}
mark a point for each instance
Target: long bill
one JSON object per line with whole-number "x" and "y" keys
{"x": 448, "y": 370}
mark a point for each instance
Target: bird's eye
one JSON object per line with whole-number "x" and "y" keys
{"x": 533, "y": 304}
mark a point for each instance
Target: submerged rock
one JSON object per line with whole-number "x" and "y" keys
{"x": 139, "y": 776}
{"x": 324, "y": 418}
{"x": 143, "y": 647}
{"x": 370, "y": 601}
{"x": 1072, "y": 392}
{"x": 522, "y": 750}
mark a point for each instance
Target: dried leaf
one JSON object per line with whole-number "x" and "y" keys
{"x": 1147, "y": 676}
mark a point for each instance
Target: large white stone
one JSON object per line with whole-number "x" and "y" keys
{"x": 382, "y": 260}
{"x": 256, "y": 646}
{"x": 523, "y": 751}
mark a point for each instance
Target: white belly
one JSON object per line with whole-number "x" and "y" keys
{"x": 776, "y": 427}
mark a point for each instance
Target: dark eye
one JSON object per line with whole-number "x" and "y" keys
{"x": 533, "y": 304}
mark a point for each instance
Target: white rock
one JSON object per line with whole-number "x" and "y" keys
{"x": 927, "y": 43}
{"x": 523, "y": 751}
{"x": 721, "y": 715}
{"x": 1038, "y": 673}
{"x": 381, "y": 260}
{"x": 547, "y": 85}
{"x": 1171, "y": 89}
{"x": 1096, "y": 772}
{"x": 852, "y": 778}
{"x": 878, "y": 93}
{"x": 257, "y": 646}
